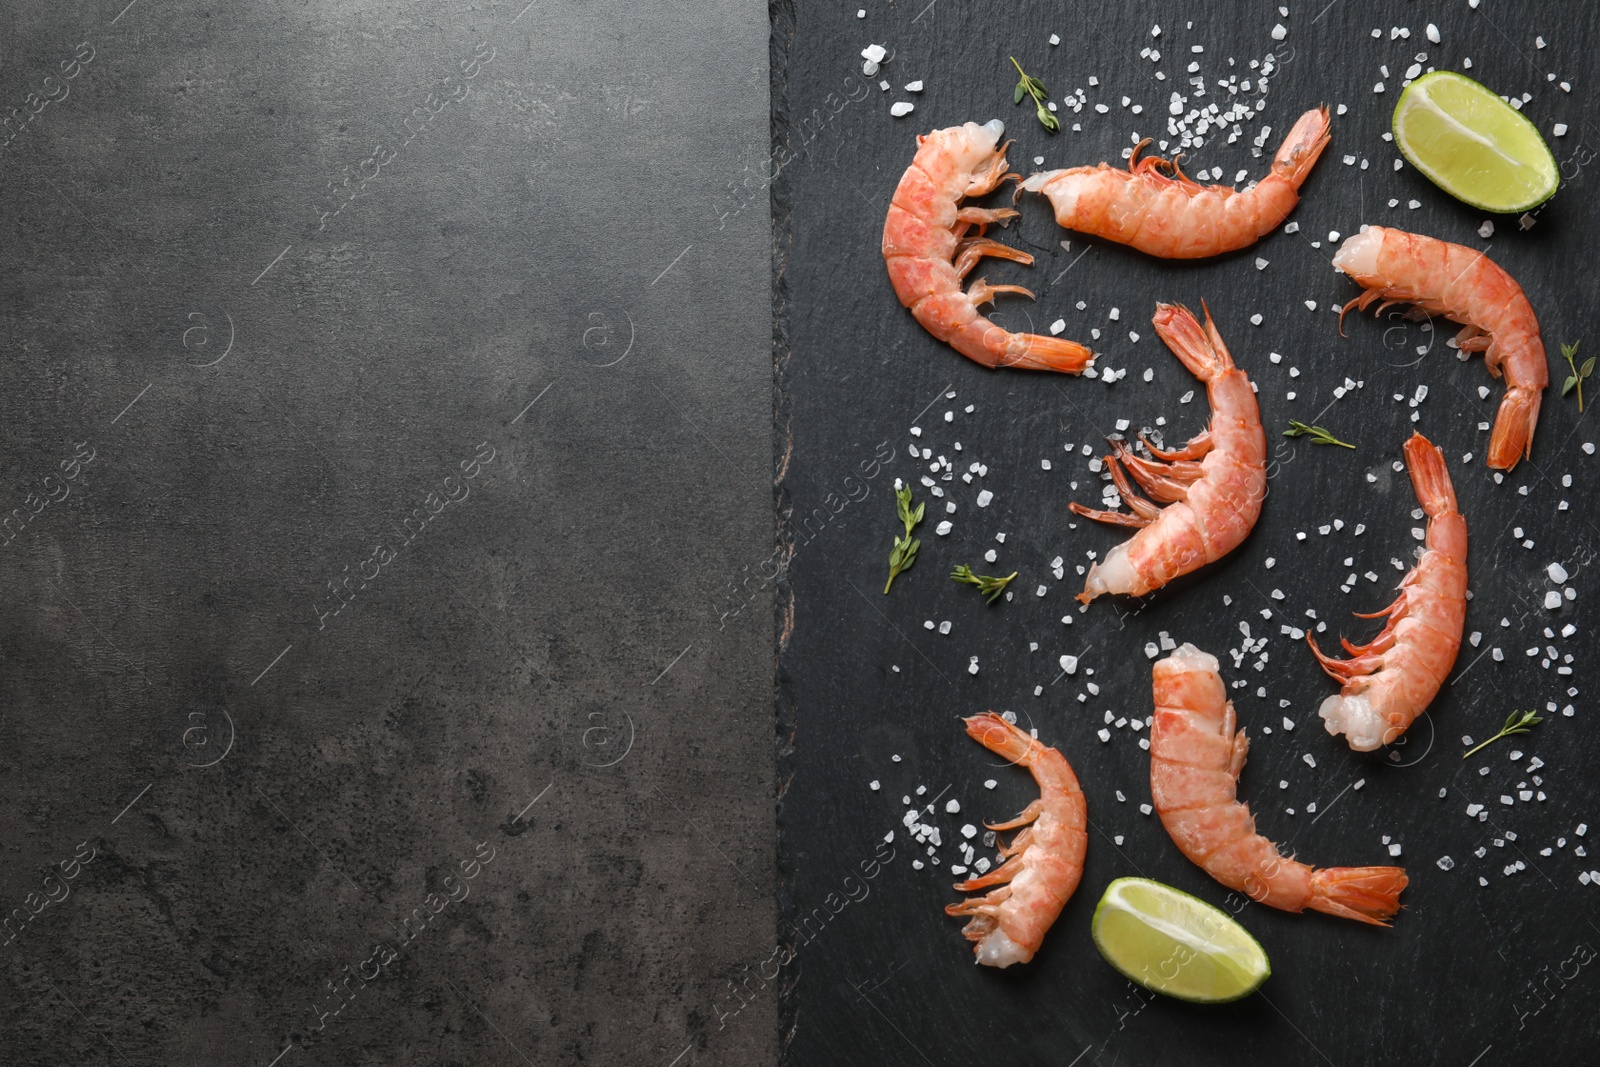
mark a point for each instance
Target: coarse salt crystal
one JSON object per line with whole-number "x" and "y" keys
{"x": 901, "y": 109}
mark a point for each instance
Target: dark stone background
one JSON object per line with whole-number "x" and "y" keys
{"x": 269, "y": 385}
{"x": 1468, "y": 974}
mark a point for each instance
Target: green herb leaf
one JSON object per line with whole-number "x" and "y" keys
{"x": 1569, "y": 353}
{"x": 1518, "y": 722}
{"x": 1318, "y": 435}
{"x": 989, "y": 586}
{"x": 1028, "y": 85}
{"x": 904, "y": 553}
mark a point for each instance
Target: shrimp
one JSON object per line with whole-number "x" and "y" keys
{"x": 1390, "y": 680}
{"x": 1213, "y": 485}
{"x": 1043, "y": 863}
{"x": 929, "y": 254}
{"x": 1466, "y": 287}
{"x": 1171, "y": 216}
{"x": 1195, "y": 760}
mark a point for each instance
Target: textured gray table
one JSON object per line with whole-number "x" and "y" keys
{"x": 386, "y": 401}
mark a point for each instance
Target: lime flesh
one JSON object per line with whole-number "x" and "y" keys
{"x": 1473, "y": 145}
{"x": 1176, "y": 944}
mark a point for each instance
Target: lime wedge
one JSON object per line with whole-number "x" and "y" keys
{"x": 1173, "y": 943}
{"x": 1473, "y": 145}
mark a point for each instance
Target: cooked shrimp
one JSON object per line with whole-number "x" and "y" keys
{"x": 1171, "y": 216}
{"x": 1466, "y": 287}
{"x": 1391, "y": 679}
{"x": 1195, "y": 760}
{"x": 929, "y": 254}
{"x": 1043, "y": 863}
{"x": 1212, "y": 486}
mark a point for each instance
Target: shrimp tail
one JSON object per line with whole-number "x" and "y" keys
{"x": 1000, "y": 737}
{"x": 1199, "y": 349}
{"x": 983, "y": 342}
{"x": 1512, "y": 438}
{"x": 1053, "y": 353}
{"x": 1301, "y": 149}
{"x": 1366, "y": 894}
{"x": 1429, "y": 476}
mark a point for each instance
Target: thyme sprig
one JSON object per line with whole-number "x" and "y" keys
{"x": 1518, "y": 722}
{"x": 904, "y": 553}
{"x": 1318, "y": 435}
{"x": 1031, "y": 86}
{"x": 988, "y": 585}
{"x": 1575, "y": 380}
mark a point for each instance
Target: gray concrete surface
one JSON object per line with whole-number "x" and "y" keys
{"x": 387, "y": 444}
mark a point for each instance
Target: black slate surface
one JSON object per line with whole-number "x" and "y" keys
{"x": 451, "y": 302}
{"x": 1495, "y": 973}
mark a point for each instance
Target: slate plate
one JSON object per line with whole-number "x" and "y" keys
{"x": 1469, "y": 973}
